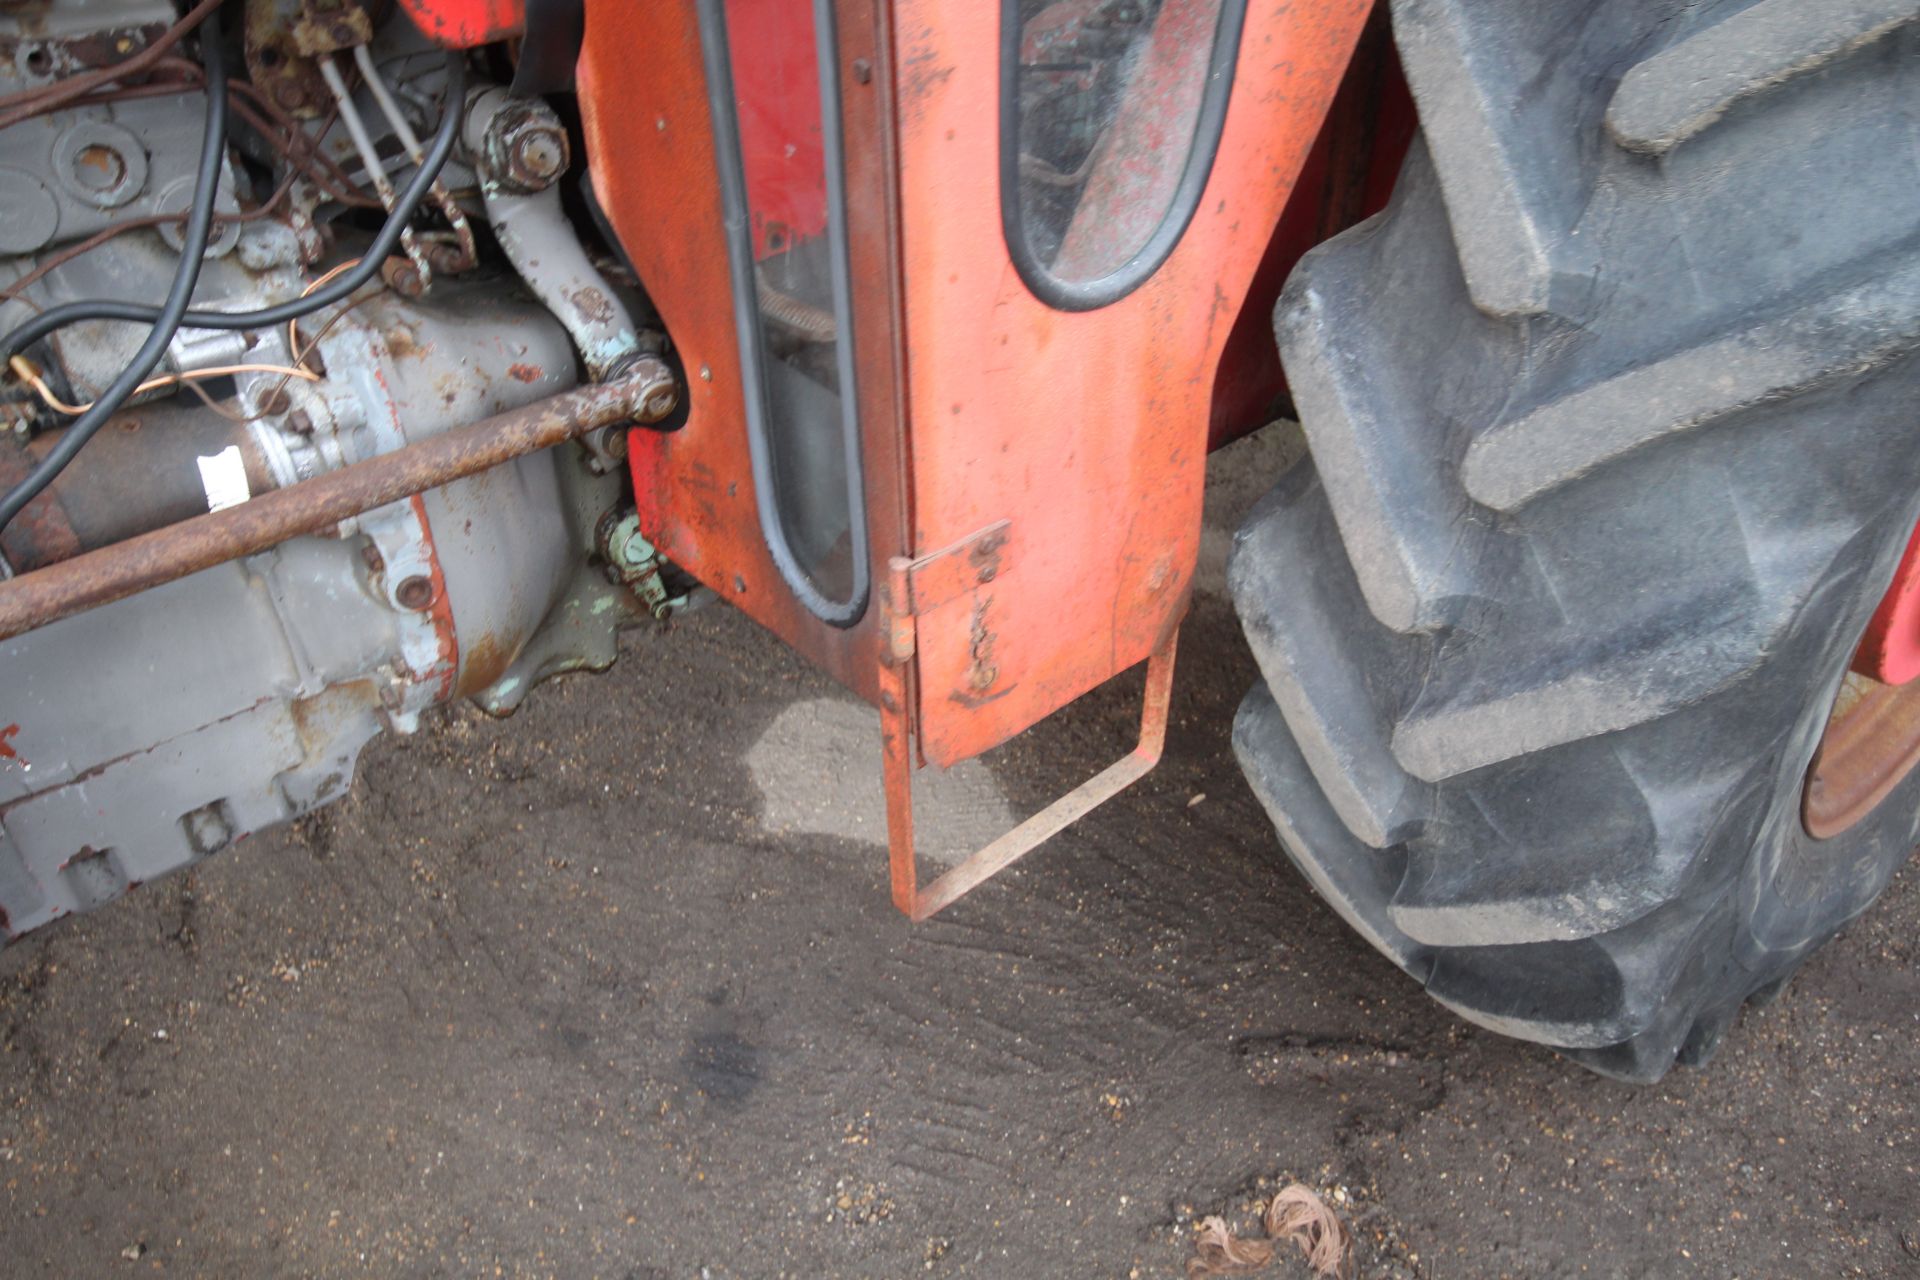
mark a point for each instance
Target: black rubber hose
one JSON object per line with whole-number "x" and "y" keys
{"x": 167, "y": 317}
{"x": 333, "y": 291}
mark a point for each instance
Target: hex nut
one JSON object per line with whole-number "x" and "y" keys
{"x": 526, "y": 147}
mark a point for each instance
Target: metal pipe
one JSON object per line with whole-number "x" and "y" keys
{"x": 403, "y": 129}
{"x": 646, "y": 393}
{"x": 370, "y": 158}
{"x": 521, "y": 149}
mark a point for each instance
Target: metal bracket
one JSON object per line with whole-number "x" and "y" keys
{"x": 913, "y": 588}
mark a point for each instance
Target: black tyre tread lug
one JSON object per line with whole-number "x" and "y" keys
{"x": 1390, "y": 589}
{"x": 1353, "y": 878}
{"x": 1684, "y": 89}
{"x": 1401, "y": 518}
{"x": 1503, "y": 243}
{"x": 1641, "y": 648}
{"x": 1293, "y": 584}
{"x": 1609, "y": 874}
{"x": 1357, "y": 881}
{"x": 1846, "y": 332}
{"x": 1591, "y": 993}
{"x": 1592, "y": 686}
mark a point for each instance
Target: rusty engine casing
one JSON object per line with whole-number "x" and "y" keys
{"x": 142, "y": 735}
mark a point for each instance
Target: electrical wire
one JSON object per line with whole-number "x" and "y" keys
{"x": 444, "y": 138}
{"x": 167, "y": 317}
{"x": 24, "y": 370}
{"x": 20, "y": 105}
{"x": 291, "y": 141}
{"x": 171, "y": 75}
{"x": 293, "y": 325}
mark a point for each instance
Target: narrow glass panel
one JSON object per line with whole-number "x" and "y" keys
{"x": 770, "y": 68}
{"x": 1111, "y": 111}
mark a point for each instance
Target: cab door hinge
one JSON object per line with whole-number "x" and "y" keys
{"x": 915, "y": 588}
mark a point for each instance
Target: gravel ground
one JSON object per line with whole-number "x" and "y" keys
{"x": 613, "y": 989}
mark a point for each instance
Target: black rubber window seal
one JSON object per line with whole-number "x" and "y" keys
{"x": 716, "y": 53}
{"x": 1208, "y": 125}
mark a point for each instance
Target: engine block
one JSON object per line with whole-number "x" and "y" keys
{"x": 138, "y": 737}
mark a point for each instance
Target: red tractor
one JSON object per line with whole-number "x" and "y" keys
{"x": 364, "y": 357}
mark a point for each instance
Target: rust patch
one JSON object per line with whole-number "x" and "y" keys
{"x": 592, "y": 304}
{"x": 487, "y": 661}
{"x": 981, "y": 671}
{"x": 447, "y": 668}
{"x": 42, "y": 533}
{"x": 7, "y": 749}
{"x": 318, "y": 718}
{"x": 525, "y": 372}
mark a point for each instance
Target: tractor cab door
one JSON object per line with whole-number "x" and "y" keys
{"x": 950, "y": 280}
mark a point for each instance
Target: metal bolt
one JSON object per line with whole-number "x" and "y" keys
{"x": 274, "y": 400}
{"x": 658, "y": 404}
{"x": 635, "y": 549}
{"x": 414, "y": 593}
{"x": 862, "y": 71}
{"x": 403, "y": 277}
{"x": 538, "y": 156}
{"x": 446, "y": 258}
{"x": 100, "y": 168}
{"x": 300, "y": 422}
{"x": 526, "y": 148}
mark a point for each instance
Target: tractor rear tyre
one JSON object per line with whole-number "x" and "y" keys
{"x": 1613, "y": 450}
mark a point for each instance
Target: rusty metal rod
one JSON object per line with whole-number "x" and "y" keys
{"x": 645, "y": 393}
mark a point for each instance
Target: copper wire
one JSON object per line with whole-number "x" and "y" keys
{"x": 24, "y": 370}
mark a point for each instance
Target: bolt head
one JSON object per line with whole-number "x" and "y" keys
{"x": 403, "y": 277}
{"x": 415, "y": 593}
{"x": 659, "y": 404}
{"x": 540, "y": 153}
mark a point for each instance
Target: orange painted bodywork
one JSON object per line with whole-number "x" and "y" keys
{"x": 467, "y": 24}
{"x": 1086, "y": 432}
{"x": 651, "y": 155}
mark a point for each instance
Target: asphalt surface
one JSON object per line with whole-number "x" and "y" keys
{"x": 613, "y": 989}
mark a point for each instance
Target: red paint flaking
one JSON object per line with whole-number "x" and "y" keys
{"x": 447, "y": 669}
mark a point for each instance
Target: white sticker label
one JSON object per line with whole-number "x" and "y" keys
{"x": 224, "y": 477}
